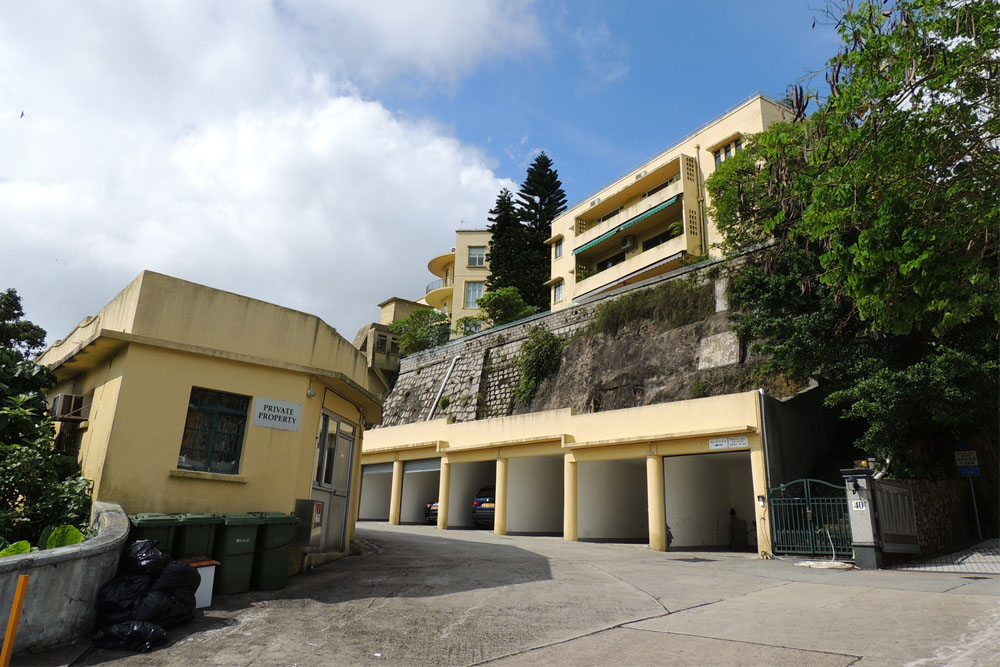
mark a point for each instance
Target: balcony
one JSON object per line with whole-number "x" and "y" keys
{"x": 655, "y": 261}
{"x": 637, "y": 209}
{"x": 437, "y": 291}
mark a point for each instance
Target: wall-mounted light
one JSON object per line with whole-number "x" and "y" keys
{"x": 761, "y": 501}
{"x": 310, "y": 393}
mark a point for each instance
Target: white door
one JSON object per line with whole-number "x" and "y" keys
{"x": 332, "y": 481}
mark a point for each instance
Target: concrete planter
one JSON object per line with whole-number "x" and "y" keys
{"x": 61, "y": 603}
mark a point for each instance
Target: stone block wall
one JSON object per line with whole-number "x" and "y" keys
{"x": 944, "y": 514}
{"x": 476, "y": 375}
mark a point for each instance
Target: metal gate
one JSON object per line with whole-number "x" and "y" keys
{"x": 809, "y": 516}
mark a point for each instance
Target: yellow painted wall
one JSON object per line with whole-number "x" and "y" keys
{"x": 103, "y": 383}
{"x": 465, "y": 273}
{"x": 732, "y": 412}
{"x": 275, "y": 465}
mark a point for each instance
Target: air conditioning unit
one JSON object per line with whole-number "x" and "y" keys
{"x": 595, "y": 202}
{"x": 70, "y": 408}
{"x": 628, "y": 242}
{"x": 640, "y": 174}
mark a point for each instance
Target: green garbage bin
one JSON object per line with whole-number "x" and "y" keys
{"x": 235, "y": 539}
{"x": 195, "y": 535}
{"x": 274, "y": 548}
{"x": 153, "y": 526}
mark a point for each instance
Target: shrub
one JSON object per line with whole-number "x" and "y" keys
{"x": 540, "y": 357}
{"x": 422, "y": 329}
{"x": 39, "y": 486}
{"x": 504, "y": 305}
{"x": 672, "y": 304}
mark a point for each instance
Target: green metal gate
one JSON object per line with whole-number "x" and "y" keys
{"x": 809, "y": 517}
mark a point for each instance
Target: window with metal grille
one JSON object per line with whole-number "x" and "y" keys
{"x": 213, "y": 432}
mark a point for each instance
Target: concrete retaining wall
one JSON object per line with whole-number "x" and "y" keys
{"x": 61, "y": 602}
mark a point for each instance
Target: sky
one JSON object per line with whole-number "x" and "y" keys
{"x": 317, "y": 154}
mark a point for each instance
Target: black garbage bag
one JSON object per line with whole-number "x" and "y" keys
{"x": 117, "y": 599}
{"x": 179, "y": 608}
{"x": 152, "y": 607}
{"x": 133, "y": 636}
{"x": 123, "y": 591}
{"x": 177, "y": 575}
{"x": 142, "y": 557}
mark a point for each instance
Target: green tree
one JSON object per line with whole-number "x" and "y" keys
{"x": 539, "y": 200}
{"x": 422, "y": 329}
{"x": 17, "y": 333}
{"x": 508, "y": 262}
{"x": 39, "y": 486}
{"x": 502, "y": 306}
{"x": 541, "y": 197}
{"x": 880, "y": 220}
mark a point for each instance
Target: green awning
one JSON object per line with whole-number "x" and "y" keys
{"x": 625, "y": 225}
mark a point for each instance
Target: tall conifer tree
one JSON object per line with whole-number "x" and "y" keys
{"x": 506, "y": 250}
{"x": 539, "y": 201}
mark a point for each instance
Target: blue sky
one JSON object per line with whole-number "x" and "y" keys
{"x": 316, "y": 154}
{"x": 615, "y": 83}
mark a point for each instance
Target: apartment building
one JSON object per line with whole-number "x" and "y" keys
{"x": 461, "y": 276}
{"x": 653, "y": 219}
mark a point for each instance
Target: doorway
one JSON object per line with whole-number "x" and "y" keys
{"x": 332, "y": 479}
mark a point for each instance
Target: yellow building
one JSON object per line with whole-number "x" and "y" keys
{"x": 183, "y": 398}
{"x": 462, "y": 275}
{"x": 698, "y": 465}
{"x": 649, "y": 221}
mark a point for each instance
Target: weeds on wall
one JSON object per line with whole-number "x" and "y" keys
{"x": 670, "y": 304}
{"x": 540, "y": 357}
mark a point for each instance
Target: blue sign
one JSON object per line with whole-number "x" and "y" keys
{"x": 968, "y": 471}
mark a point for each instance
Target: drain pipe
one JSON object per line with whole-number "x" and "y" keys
{"x": 447, "y": 376}
{"x": 763, "y": 437}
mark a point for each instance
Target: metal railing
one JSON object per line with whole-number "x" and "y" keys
{"x": 436, "y": 284}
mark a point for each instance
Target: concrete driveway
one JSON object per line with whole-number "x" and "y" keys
{"x": 419, "y": 596}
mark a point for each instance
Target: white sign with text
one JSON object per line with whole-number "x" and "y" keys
{"x": 271, "y": 413}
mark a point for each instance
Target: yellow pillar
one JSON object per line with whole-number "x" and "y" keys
{"x": 654, "y": 497}
{"x": 444, "y": 486}
{"x": 569, "y": 499}
{"x": 758, "y": 466}
{"x": 396, "y": 495}
{"x": 500, "y": 509}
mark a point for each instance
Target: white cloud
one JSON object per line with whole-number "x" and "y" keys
{"x": 604, "y": 58}
{"x": 444, "y": 39}
{"x": 219, "y": 143}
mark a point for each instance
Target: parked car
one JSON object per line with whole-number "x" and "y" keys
{"x": 483, "y": 507}
{"x": 431, "y": 512}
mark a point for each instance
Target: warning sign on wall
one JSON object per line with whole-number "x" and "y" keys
{"x": 271, "y": 413}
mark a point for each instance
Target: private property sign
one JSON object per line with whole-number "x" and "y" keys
{"x": 271, "y": 413}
